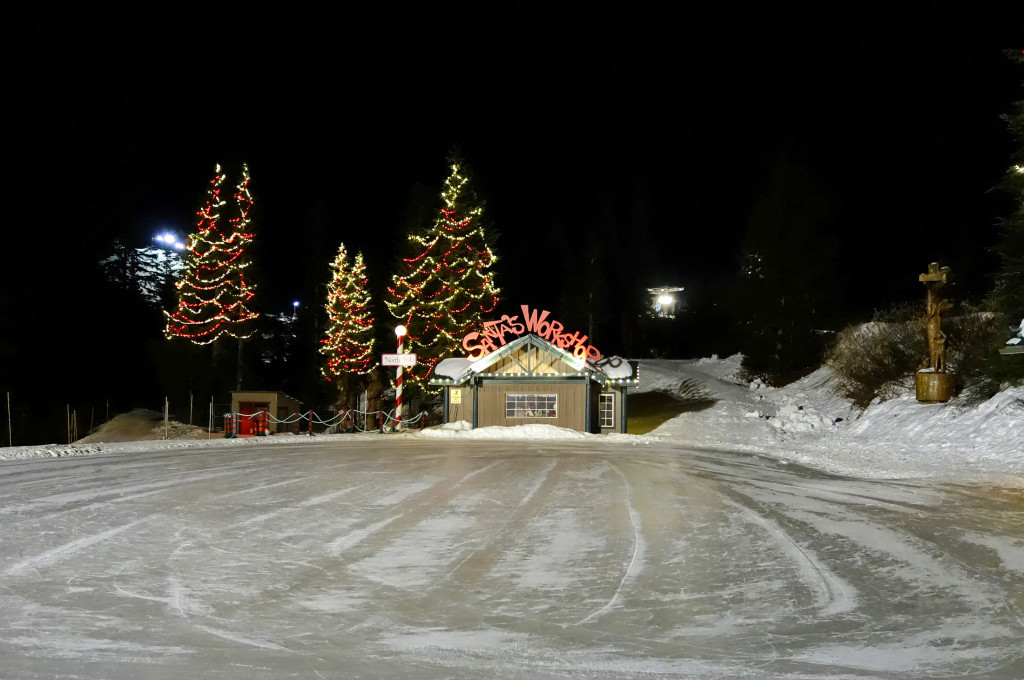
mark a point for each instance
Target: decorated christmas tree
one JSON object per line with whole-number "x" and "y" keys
{"x": 1008, "y": 295}
{"x": 445, "y": 286}
{"x": 212, "y": 292}
{"x": 348, "y": 345}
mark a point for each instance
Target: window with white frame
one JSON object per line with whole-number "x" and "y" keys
{"x": 607, "y": 409}
{"x": 531, "y": 406}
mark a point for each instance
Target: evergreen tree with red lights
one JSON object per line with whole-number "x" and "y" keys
{"x": 445, "y": 286}
{"x": 348, "y": 345}
{"x": 212, "y": 292}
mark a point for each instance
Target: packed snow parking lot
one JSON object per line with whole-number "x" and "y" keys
{"x": 700, "y": 551}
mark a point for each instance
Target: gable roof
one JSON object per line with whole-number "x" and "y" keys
{"x": 530, "y": 356}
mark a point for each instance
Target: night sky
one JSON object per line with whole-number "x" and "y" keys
{"x": 651, "y": 130}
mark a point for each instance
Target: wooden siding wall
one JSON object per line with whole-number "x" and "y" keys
{"x": 618, "y": 410}
{"x": 533, "y": 359}
{"x": 571, "y": 403}
{"x": 275, "y": 401}
{"x": 463, "y": 411}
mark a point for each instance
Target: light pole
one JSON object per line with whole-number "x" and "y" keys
{"x": 295, "y": 309}
{"x": 400, "y": 332}
{"x": 664, "y": 302}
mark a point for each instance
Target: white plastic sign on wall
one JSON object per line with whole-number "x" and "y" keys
{"x": 398, "y": 360}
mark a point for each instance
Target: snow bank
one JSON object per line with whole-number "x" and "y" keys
{"x": 89, "y": 449}
{"x": 463, "y": 430}
{"x": 805, "y": 423}
{"x": 808, "y": 423}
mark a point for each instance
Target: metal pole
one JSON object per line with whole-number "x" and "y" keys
{"x": 210, "y": 424}
{"x": 398, "y": 391}
{"x": 10, "y": 430}
{"x": 166, "y": 408}
{"x": 69, "y": 422}
{"x": 190, "y": 408}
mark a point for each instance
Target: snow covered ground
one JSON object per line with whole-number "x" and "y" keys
{"x": 805, "y": 423}
{"x": 699, "y": 551}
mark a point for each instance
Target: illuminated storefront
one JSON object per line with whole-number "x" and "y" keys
{"x": 531, "y": 370}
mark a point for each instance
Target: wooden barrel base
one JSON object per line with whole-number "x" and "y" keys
{"x": 933, "y": 388}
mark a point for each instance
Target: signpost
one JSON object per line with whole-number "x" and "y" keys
{"x": 391, "y": 360}
{"x": 401, "y": 359}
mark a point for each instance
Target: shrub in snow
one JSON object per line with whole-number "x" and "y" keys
{"x": 879, "y": 359}
{"x": 974, "y": 338}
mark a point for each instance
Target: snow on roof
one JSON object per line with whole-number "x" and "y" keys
{"x": 452, "y": 368}
{"x": 614, "y": 368}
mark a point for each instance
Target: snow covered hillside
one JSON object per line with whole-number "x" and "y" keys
{"x": 805, "y": 423}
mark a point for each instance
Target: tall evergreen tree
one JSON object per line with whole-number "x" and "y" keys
{"x": 1008, "y": 294}
{"x": 212, "y": 293}
{"x": 149, "y": 272}
{"x": 348, "y": 345}
{"x": 445, "y": 286}
{"x": 786, "y": 292}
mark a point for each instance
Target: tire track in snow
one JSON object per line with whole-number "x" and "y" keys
{"x": 833, "y": 595}
{"x": 353, "y": 538}
{"x": 241, "y": 639}
{"x": 635, "y": 565}
{"x": 107, "y": 494}
{"x": 513, "y": 515}
{"x": 68, "y": 549}
{"x": 263, "y": 487}
{"x": 340, "y": 544}
{"x": 317, "y": 500}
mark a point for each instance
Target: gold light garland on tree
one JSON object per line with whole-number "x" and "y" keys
{"x": 348, "y": 345}
{"x": 445, "y": 289}
{"x": 212, "y": 291}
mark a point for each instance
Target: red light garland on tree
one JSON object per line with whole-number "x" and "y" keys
{"x": 348, "y": 346}
{"x": 446, "y": 286}
{"x": 212, "y": 292}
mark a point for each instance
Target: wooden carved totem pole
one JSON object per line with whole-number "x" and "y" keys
{"x": 934, "y": 384}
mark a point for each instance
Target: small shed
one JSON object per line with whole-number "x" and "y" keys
{"x": 531, "y": 380}
{"x": 277, "y": 404}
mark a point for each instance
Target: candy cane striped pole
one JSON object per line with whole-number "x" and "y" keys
{"x": 400, "y": 332}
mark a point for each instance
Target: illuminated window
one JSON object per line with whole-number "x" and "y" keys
{"x": 531, "y": 406}
{"x": 607, "y": 410}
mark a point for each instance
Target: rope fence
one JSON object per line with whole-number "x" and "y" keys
{"x": 346, "y": 421}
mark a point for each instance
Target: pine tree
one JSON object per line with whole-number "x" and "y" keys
{"x": 787, "y": 290}
{"x": 212, "y": 292}
{"x": 445, "y": 287}
{"x": 148, "y": 272}
{"x": 348, "y": 345}
{"x": 1008, "y": 295}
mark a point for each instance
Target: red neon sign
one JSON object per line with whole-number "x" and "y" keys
{"x": 481, "y": 343}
